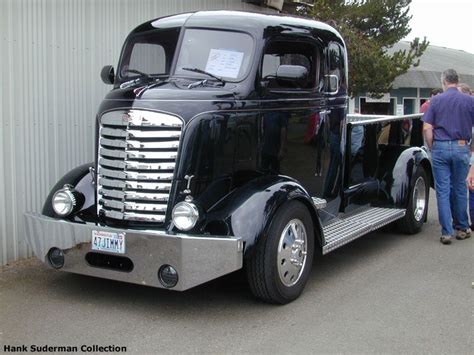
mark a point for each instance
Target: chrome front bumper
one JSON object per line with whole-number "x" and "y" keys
{"x": 197, "y": 259}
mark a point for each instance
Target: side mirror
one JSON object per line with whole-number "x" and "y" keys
{"x": 292, "y": 73}
{"x": 107, "y": 74}
{"x": 331, "y": 84}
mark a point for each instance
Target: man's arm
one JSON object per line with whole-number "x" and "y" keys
{"x": 470, "y": 178}
{"x": 428, "y": 134}
{"x": 470, "y": 175}
{"x": 472, "y": 140}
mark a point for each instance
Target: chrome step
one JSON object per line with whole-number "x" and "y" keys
{"x": 344, "y": 230}
{"x": 319, "y": 202}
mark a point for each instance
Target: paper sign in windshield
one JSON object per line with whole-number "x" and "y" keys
{"x": 224, "y": 63}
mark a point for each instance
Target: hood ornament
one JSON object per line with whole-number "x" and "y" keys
{"x": 188, "y": 187}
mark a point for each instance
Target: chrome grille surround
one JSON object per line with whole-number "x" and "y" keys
{"x": 136, "y": 162}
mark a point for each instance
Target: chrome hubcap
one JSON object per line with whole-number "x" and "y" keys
{"x": 419, "y": 199}
{"x": 292, "y": 252}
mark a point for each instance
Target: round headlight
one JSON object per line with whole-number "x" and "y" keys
{"x": 64, "y": 201}
{"x": 185, "y": 215}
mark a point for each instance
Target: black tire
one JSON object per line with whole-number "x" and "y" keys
{"x": 414, "y": 218}
{"x": 263, "y": 271}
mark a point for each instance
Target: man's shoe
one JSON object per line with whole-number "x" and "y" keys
{"x": 463, "y": 234}
{"x": 446, "y": 239}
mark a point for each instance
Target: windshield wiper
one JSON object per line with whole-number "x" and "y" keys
{"x": 129, "y": 83}
{"x": 155, "y": 83}
{"x": 135, "y": 71}
{"x": 197, "y": 70}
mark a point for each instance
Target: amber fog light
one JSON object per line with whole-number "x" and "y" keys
{"x": 56, "y": 258}
{"x": 185, "y": 215}
{"x": 168, "y": 276}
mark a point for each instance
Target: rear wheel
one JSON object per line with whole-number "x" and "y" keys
{"x": 417, "y": 204}
{"x": 280, "y": 266}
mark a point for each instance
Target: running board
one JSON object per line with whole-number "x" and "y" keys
{"x": 346, "y": 229}
{"x": 319, "y": 203}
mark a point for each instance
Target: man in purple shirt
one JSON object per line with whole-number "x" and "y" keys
{"x": 448, "y": 132}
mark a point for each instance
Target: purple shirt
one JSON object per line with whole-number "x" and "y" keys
{"x": 452, "y": 115}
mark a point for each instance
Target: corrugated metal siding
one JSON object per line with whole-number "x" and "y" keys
{"x": 51, "y": 56}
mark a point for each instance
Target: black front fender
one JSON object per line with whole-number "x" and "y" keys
{"x": 81, "y": 179}
{"x": 399, "y": 169}
{"x": 248, "y": 210}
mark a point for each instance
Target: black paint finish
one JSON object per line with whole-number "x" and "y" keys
{"x": 81, "y": 179}
{"x": 252, "y": 146}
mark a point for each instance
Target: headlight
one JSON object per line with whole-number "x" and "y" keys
{"x": 66, "y": 201}
{"x": 185, "y": 215}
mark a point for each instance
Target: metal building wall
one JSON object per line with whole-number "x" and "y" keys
{"x": 50, "y": 57}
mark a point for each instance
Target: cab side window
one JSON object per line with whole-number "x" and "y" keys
{"x": 284, "y": 64}
{"x": 148, "y": 58}
{"x": 336, "y": 78}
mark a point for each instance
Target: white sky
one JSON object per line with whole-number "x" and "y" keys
{"x": 445, "y": 23}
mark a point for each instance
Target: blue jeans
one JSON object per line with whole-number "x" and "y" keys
{"x": 450, "y": 168}
{"x": 471, "y": 206}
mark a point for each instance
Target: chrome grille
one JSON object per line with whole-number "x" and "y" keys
{"x": 136, "y": 162}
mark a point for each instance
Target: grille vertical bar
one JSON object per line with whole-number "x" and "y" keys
{"x": 136, "y": 162}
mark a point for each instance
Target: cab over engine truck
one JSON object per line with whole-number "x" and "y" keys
{"x": 224, "y": 144}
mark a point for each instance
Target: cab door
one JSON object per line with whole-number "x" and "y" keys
{"x": 295, "y": 123}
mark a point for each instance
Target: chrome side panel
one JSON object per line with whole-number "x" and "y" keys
{"x": 369, "y": 119}
{"x": 197, "y": 259}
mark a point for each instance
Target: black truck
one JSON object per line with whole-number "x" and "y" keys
{"x": 224, "y": 144}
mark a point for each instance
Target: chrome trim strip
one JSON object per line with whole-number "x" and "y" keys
{"x": 133, "y": 195}
{"x": 132, "y": 216}
{"x": 112, "y": 153}
{"x": 134, "y": 206}
{"x": 113, "y": 132}
{"x": 116, "y": 143}
{"x": 134, "y": 175}
{"x": 369, "y": 119}
{"x": 152, "y": 145}
{"x": 197, "y": 258}
{"x": 120, "y": 164}
{"x": 136, "y": 154}
{"x": 131, "y": 133}
{"x": 134, "y": 184}
{"x": 140, "y": 118}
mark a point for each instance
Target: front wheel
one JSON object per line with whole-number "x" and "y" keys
{"x": 417, "y": 204}
{"x": 280, "y": 267}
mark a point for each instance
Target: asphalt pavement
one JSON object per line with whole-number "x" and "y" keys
{"x": 384, "y": 293}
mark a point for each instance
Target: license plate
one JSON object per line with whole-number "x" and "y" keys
{"x": 108, "y": 241}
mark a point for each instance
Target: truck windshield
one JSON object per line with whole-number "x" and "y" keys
{"x": 224, "y": 54}
{"x": 149, "y": 54}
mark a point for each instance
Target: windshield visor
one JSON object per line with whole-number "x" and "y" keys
{"x": 149, "y": 54}
{"x": 224, "y": 54}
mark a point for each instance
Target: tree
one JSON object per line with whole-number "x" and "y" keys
{"x": 370, "y": 28}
